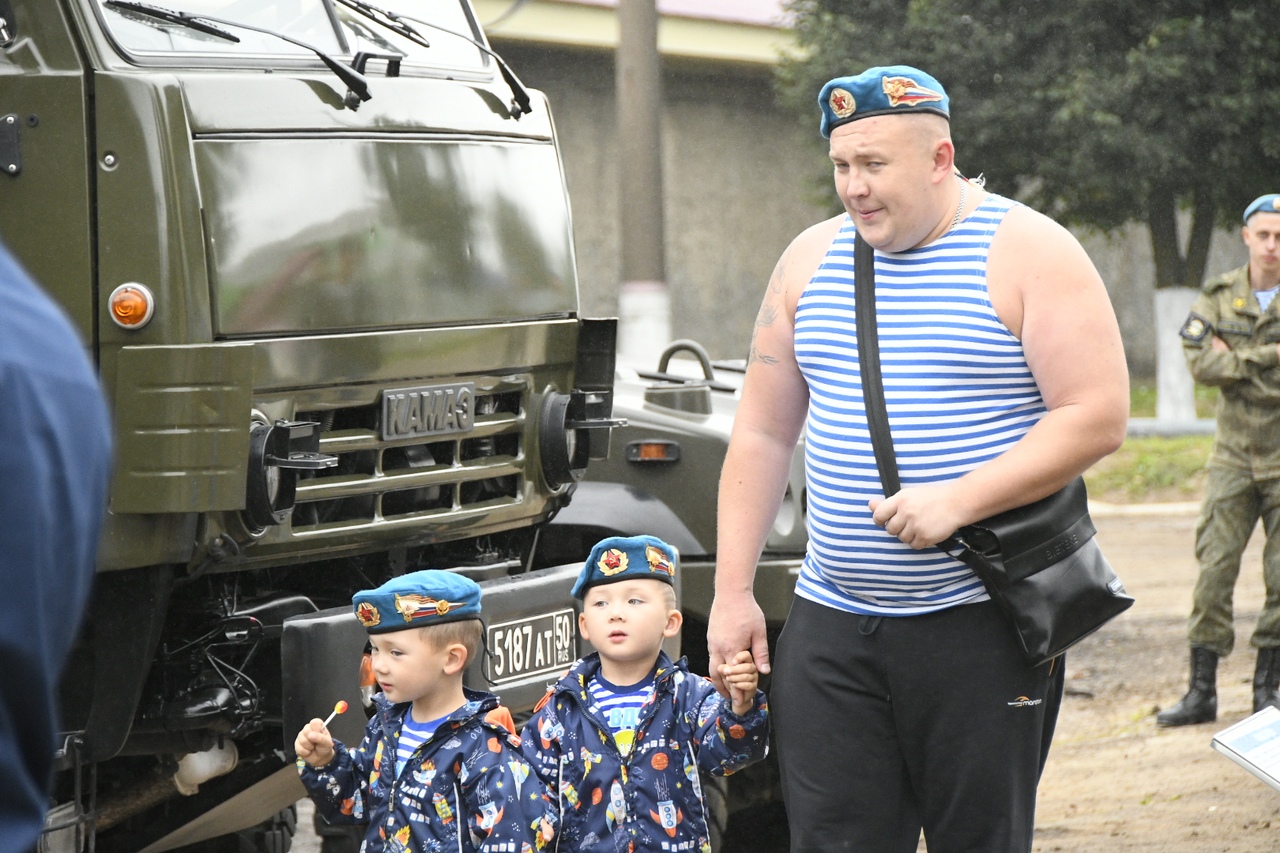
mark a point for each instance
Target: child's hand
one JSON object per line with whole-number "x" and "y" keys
{"x": 314, "y": 744}
{"x": 742, "y": 678}
{"x": 546, "y": 832}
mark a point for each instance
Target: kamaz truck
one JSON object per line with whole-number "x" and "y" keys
{"x": 321, "y": 253}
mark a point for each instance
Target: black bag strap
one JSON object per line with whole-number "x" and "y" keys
{"x": 864, "y": 304}
{"x": 864, "y": 295}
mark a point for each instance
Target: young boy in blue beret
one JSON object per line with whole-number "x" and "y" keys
{"x": 621, "y": 738}
{"x": 432, "y": 773}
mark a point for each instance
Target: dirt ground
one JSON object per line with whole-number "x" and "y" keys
{"x": 1115, "y": 782}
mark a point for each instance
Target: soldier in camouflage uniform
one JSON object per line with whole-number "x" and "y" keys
{"x": 1232, "y": 341}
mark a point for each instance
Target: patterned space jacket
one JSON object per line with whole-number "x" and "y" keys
{"x": 467, "y": 788}
{"x": 652, "y": 798}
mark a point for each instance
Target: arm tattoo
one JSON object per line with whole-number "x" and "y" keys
{"x": 779, "y": 271}
{"x": 769, "y": 310}
{"x": 768, "y": 313}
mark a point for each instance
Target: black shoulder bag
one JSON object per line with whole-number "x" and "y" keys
{"x": 1040, "y": 563}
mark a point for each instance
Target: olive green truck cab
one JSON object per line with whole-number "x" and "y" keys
{"x": 322, "y": 256}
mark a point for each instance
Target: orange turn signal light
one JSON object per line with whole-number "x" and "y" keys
{"x": 653, "y": 450}
{"x": 131, "y": 305}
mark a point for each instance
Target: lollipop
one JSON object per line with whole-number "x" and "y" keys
{"x": 338, "y": 708}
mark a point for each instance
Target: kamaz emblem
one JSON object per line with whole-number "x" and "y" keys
{"x": 428, "y": 411}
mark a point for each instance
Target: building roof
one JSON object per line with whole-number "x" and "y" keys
{"x": 737, "y": 31}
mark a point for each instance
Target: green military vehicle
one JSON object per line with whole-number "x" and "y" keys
{"x": 323, "y": 258}
{"x": 662, "y": 478}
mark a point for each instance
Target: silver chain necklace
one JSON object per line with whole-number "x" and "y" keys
{"x": 955, "y": 220}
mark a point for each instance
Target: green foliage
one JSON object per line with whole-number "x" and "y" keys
{"x": 1155, "y": 467}
{"x": 1142, "y": 400}
{"x": 1096, "y": 112}
{"x": 1152, "y": 467}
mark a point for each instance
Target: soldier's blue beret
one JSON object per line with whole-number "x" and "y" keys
{"x": 428, "y": 597}
{"x": 883, "y": 90}
{"x": 1263, "y": 204}
{"x": 621, "y": 558}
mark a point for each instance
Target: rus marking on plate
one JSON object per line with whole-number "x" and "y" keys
{"x": 428, "y": 410}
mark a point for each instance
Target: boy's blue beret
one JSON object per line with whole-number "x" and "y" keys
{"x": 883, "y": 90}
{"x": 1263, "y": 204}
{"x": 428, "y": 597}
{"x": 621, "y": 558}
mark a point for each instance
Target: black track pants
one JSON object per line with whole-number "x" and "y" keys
{"x": 884, "y": 726}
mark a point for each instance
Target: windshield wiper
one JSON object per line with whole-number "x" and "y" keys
{"x": 390, "y": 20}
{"x": 396, "y": 22}
{"x": 357, "y": 86}
{"x": 183, "y": 19}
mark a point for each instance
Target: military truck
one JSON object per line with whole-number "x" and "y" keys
{"x": 322, "y": 255}
{"x": 661, "y": 478}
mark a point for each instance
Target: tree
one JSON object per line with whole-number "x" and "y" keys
{"x": 1100, "y": 113}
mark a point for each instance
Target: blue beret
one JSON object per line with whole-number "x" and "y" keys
{"x": 623, "y": 558}
{"x": 1263, "y": 204}
{"x": 883, "y": 90}
{"x": 429, "y": 597}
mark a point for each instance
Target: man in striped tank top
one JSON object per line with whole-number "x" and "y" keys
{"x": 901, "y": 700}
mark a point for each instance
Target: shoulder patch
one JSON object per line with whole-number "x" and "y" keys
{"x": 1196, "y": 329}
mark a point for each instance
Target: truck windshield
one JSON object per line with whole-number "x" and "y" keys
{"x": 311, "y": 21}
{"x": 332, "y": 28}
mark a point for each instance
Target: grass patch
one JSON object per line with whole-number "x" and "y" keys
{"x": 1152, "y": 468}
{"x": 1142, "y": 399}
{"x": 1155, "y": 468}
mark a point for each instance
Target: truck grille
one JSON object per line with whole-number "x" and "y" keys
{"x": 379, "y": 481}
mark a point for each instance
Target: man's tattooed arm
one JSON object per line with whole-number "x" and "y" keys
{"x": 768, "y": 312}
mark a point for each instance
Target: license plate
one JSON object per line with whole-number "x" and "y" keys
{"x": 536, "y": 645}
{"x": 428, "y": 410}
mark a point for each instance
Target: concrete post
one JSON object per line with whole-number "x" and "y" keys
{"x": 1175, "y": 389}
{"x": 644, "y": 303}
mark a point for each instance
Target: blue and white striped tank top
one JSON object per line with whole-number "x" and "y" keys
{"x": 958, "y": 393}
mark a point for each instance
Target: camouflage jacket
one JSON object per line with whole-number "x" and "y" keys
{"x": 650, "y": 799}
{"x": 465, "y": 789}
{"x": 1247, "y": 373}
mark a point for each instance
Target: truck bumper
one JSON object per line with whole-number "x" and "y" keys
{"x": 531, "y": 632}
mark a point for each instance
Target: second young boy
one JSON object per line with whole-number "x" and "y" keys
{"x": 620, "y": 739}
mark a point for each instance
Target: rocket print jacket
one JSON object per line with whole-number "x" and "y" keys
{"x": 467, "y": 788}
{"x": 650, "y": 799}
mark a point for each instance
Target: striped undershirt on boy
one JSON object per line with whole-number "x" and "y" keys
{"x": 958, "y": 391}
{"x": 619, "y": 707}
{"x": 413, "y": 735}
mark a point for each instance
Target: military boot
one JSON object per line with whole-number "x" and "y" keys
{"x": 1266, "y": 680}
{"x": 1200, "y": 705}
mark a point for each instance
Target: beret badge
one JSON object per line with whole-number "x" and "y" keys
{"x": 842, "y": 103}
{"x": 368, "y": 614}
{"x": 612, "y": 562}
{"x": 904, "y": 90}
{"x": 658, "y": 561}
{"x": 417, "y": 606}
